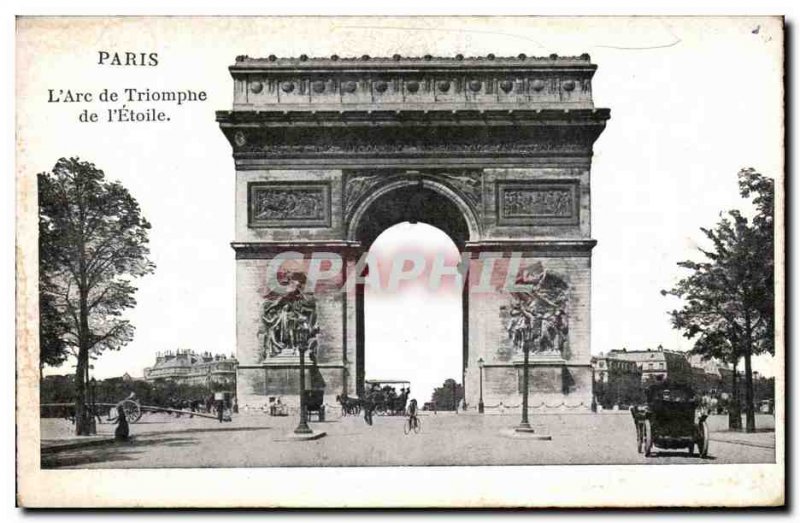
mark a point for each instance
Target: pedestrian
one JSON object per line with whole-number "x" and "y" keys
{"x": 122, "y": 431}
{"x": 368, "y": 407}
{"x": 220, "y": 409}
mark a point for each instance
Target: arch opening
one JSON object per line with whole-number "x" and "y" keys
{"x": 414, "y": 200}
{"x": 415, "y": 332}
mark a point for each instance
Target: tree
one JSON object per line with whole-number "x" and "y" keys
{"x": 92, "y": 241}
{"x": 448, "y": 396}
{"x": 52, "y": 329}
{"x": 729, "y": 297}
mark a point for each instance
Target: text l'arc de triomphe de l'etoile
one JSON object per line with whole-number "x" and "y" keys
{"x": 494, "y": 151}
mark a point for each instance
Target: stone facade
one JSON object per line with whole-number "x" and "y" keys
{"x": 190, "y": 368}
{"x": 494, "y": 151}
{"x": 658, "y": 364}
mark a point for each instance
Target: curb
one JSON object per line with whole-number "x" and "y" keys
{"x": 743, "y": 443}
{"x": 72, "y": 445}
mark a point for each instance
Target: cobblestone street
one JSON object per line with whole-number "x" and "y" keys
{"x": 255, "y": 440}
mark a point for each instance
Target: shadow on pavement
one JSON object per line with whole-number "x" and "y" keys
{"x": 678, "y": 454}
{"x": 115, "y": 452}
{"x": 198, "y": 430}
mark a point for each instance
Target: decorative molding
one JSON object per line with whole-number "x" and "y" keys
{"x": 356, "y": 185}
{"x": 412, "y": 134}
{"x": 539, "y": 248}
{"x": 489, "y": 60}
{"x": 467, "y": 183}
{"x": 268, "y": 250}
{"x": 415, "y": 148}
{"x": 537, "y": 202}
{"x": 432, "y": 81}
{"x": 288, "y": 204}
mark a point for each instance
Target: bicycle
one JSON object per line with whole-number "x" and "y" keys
{"x": 412, "y": 424}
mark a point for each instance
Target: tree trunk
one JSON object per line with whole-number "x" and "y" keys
{"x": 734, "y": 414}
{"x": 82, "y": 415}
{"x": 81, "y": 428}
{"x": 750, "y": 414}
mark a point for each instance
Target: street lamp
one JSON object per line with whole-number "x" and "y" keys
{"x": 302, "y": 427}
{"x": 524, "y": 426}
{"x": 480, "y": 398}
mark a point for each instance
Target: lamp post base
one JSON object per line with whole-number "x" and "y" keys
{"x": 301, "y": 437}
{"x": 303, "y": 428}
{"x": 515, "y": 433}
{"x": 524, "y": 427}
{"x": 480, "y": 407}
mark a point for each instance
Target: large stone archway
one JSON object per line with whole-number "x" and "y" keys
{"x": 331, "y": 152}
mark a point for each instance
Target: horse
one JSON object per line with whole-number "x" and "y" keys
{"x": 349, "y": 405}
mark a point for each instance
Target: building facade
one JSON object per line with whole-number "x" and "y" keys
{"x": 617, "y": 381}
{"x": 214, "y": 371}
{"x": 657, "y": 364}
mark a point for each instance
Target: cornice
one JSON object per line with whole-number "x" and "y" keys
{"x": 455, "y": 114}
{"x": 366, "y": 62}
{"x": 540, "y": 247}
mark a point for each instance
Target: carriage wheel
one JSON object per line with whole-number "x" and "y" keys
{"x": 407, "y": 426}
{"x": 133, "y": 412}
{"x": 417, "y": 425}
{"x": 704, "y": 436}
{"x": 648, "y": 438}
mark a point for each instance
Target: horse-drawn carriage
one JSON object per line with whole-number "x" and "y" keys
{"x": 380, "y": 396}
{"x": 671, "y": 420}
{"x": 350, "y": 406}
{"x": 383, "y": 396}
{"x": 130, "y": 407}
{"x": 315, "y": 403}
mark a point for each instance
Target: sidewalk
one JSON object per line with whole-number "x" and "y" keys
{"x": 59, "y": 434}
{"x": 764, "y": 439}
{"x": 77, "y": 442}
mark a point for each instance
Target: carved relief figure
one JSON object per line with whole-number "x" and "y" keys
{"x": 468, "y": 183}
{"x": 277, "y": 204}
{"x": 289, "y": 320}
{"x": 355, "y": 187}
{"x": 538, "y": 316}
{"x": 537, "y": 203}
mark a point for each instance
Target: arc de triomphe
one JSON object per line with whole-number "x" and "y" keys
{"x": 494, "y": 151}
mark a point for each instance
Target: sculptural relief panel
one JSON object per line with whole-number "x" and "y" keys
{"x": 287, "y": 204}
{"x": 537, "y": 203}
{"x": 537, "y": 318}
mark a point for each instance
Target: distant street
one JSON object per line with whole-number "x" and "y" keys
{"x": 253, "y": 440}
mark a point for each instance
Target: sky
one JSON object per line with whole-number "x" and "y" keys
{"x": 692, "y": 102}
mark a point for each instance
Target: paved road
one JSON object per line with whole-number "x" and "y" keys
{"x": 446, "y": 439}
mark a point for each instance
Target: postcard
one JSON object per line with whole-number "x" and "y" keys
{"x": 462, "y": 262}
